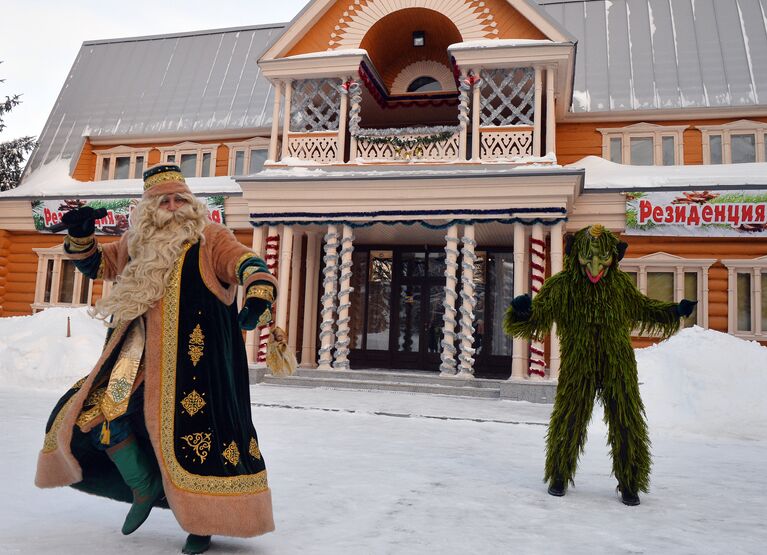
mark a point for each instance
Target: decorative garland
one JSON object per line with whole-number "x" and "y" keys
{"x": 424, "y": 223}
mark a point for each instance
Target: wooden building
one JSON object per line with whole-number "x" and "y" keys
{"x": 408, "y": 166}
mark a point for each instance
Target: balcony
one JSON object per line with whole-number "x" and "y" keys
{"x": 496, "y": 104}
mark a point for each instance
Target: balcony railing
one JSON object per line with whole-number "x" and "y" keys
{"x": 316, "y": 146}
{"x": 499, "y": 144}
{"x": 414, "y": 147}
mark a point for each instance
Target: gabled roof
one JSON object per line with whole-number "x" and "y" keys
{"x": 314, "y": 10}
{"x": 176, "y": 85}
{"x": 666, "y": 54}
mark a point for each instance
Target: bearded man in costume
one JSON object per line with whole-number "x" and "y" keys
{"x": 164, "y": 419}
{"x": 595, "y": 306}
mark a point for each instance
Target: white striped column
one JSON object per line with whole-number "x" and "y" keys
{"x": 341, "y": 361}
{"x": 272, "y": 262}
{"x": 519, "y": 345}
{"x": 537, "y": 366}
{"x": 448, "y": 366}
{"x": 295, "y": 285}
{"x": 469, "y": 300}
{"x": 330, "y": 282}
{"x": 557, "y": 263}
{"x": 311, "y": 284}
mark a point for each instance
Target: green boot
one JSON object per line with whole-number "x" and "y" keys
{"x": 196, "y": 544}
{"x": 138, "y": 472}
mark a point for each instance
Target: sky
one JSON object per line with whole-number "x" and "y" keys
{"x": 39, "y": 40}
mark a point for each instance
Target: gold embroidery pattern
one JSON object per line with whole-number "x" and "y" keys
{"x": 94, "y": 401}
{"x": 181, "y": 478}
{"x": 265, "y": 292}
{"x": 124, "y": 372}
{"x": 193, "y": 403}
{"x": 232, "y": 454}
{"x": 102, "y": 261}
{"x": 51, "y": 442}
{"x": 254, "y": 450}
{"x": 240, "y": 261}
{"x": 196, "y": 344}
{"x": 200, "y": 443}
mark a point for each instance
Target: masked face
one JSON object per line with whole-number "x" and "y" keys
{"x": 595, "y": 261}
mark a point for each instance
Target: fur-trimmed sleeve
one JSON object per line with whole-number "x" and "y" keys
{"x": 233, "y": 262}
{"x": 95, "y": 260}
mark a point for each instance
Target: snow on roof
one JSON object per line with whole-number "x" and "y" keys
{"x": 664, "y": 54}
{"x": 602, "y": 174}
{"x": 187, "y": 84}
{"x": 329, "y": 54}
{"x": 53, "y": 181}
{"x": 500, "y": 43}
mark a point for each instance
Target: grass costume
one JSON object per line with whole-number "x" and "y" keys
{"x": 595, "y": 306}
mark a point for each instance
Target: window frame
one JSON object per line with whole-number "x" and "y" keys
{"x": 664, "y": 262}
{"x": 57, "y": 254}
{"x": 121, "y": 151}
{"x": 755, "y": 267}
{"x": 726, "y": 131}
{"x": 188, "y": 147}
{"x": 255, "y": 143}
{"x": 642, "y": 131}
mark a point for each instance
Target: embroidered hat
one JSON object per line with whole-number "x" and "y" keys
{"x": 163, "y": 179}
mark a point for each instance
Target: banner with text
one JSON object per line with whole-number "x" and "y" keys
{"x": 697, "y": 213}
{"x": 47, "y": 213}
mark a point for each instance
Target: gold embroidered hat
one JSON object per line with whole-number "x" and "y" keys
{"x": 164, "y": 179}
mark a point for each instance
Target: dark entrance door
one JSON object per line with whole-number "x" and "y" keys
{"x": 397, "y": 308}
{"x": 418, "y": 310}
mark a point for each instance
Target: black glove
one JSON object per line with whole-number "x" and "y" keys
{"x": 685, "y": 308}
{"x": 81, "y": 222}
{"x": 522, "y": 306}
{"x": 252, "y": 312}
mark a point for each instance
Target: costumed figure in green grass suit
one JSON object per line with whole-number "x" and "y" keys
{"x": 596, "y": 306}
{"x": 163, "y": 419}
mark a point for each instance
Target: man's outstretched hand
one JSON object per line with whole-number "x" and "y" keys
{"x": 257, "y": 309}
{"x": 684, "y": 308}
{"x": 522, "y": 307}
{"x": 82, "y": 221}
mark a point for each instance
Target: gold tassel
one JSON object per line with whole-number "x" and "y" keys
{"x": 106, "y": 436}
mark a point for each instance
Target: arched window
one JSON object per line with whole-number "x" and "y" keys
{"x": 424, "y": 84}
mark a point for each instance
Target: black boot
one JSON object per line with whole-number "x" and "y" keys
{"x": 138, "y": 472}
{"x": 196, "y": 544}
{"x": 557, "y": 487}
{"x": 628, "y": 497}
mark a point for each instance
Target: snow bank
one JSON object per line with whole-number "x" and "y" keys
{"x": 705, "y": 382}
{"x": 35, "y": 351}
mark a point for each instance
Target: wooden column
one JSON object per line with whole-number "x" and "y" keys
{"x": 476, "y": 110}
{"x": 295, "y": 285}
{"x": 469, "y": 299}
{"x": 284, "y": 265}
{"x": 311, "y": 283}
{"x": 551, "y": 122}
{"x": 519, "y": 346}
{"x": 330, "y": 281}
{"x": 342, "y": 118}
{"x": 537, "y": 114}
{"x": 341, "y": 360}
{"x": 286, "y": 119}
{"x": 275, "y": 137}
{"x": 557, "y": 263}
{"x": 448, "y": 366}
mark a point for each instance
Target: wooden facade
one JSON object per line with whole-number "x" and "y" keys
{"x": 546, "y": 137}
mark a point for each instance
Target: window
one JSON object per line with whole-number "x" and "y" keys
{"x": 747, "y": 297}
{"x": 672, "y": 278}
{"x": 738, "y": 142}
{"x": 248, "y": 157}
{"x": 424, "y": 84}
{"x": 644, "y": 144}
{"x": 121, "y": 162}
{"x": 195, "y": 160}
{"x": 58, "y": 281}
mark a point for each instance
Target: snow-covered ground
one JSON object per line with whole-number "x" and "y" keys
{"x": 376, "y": 472}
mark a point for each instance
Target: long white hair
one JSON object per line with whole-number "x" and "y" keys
{"x": 155, "y": 241}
